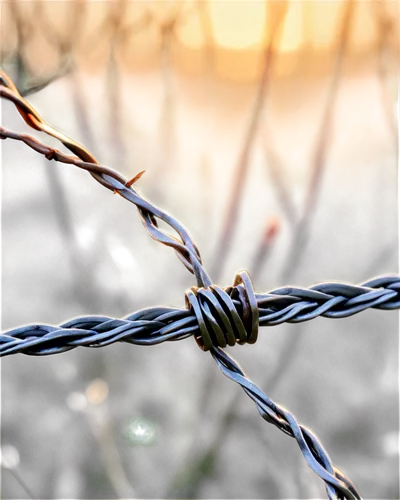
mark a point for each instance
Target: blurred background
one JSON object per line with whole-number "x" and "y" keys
{"x": 269, "y": 129}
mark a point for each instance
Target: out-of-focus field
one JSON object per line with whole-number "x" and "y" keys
{"x": 135, "y": 422}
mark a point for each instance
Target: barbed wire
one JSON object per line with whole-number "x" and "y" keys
{"x": 211, "y": 313}
{"x": 338, "y": 486}
{"x": 184, "y": 246}
{"x": 215, "y": 316}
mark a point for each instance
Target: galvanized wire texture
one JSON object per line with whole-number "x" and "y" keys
{"x": 216, "y": 317}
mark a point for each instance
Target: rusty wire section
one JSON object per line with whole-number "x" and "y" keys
{"x": 216, "y": 317}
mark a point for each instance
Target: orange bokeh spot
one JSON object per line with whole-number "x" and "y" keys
{"x": 97, "y": 392}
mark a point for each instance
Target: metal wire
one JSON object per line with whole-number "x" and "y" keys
{"x": 211, "y": 313}
{"x": 216, "y": 317}
{"x": 338, "y": 486}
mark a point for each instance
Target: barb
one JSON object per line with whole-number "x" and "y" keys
{"x": 216, "y": 317}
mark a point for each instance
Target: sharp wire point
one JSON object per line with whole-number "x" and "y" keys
{"x": 135, "y": 179}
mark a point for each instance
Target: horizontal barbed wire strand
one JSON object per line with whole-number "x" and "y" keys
{"x": 155, "y": 325}
{"x": 158, "y": 324}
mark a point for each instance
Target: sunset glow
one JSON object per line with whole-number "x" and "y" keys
{"x": 240, "y": 25}
{"x": 232, "y": 25}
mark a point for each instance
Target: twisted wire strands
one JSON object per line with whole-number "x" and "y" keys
{"x": 185, "y": 246}
{"x": 338, "y": 486}
{"x": 215, "y": 316}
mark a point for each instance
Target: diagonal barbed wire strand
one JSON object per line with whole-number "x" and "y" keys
{"x": 338, "y": 486}
{"x": 185, "y": 246}
{"x": 216, "y": 317}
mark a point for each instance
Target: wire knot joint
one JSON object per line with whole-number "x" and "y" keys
{"x": 225, "y": 316}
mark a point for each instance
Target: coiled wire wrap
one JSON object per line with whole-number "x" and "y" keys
{"x": 216, "y": 317}
{"x": 220, "y": 322}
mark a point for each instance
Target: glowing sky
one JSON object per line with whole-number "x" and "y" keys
{"x": 241, "y": 25}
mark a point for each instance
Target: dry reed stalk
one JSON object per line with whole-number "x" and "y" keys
{"x": 54, "y": 192}
{"x": 58, "y": 75}
{"x": 66, "y": 48}
{"x": 167, "y": 131}
{"x": 302, "y": 63}
{"x": 115, "y": 22}
{"x": 62, "y": 206}
{"x": 160, "y": 176}
{"x": 81, "y": 112}
{"x": 24, "y": 31}
{"x": 115, "y": 119}
{"x": 303, "y": 230}
{"x": 392, "y": 119}
{"x": 80, "y": 104}
{"x": 385, "y": 30}
{"x": 66, "y": 64}
{"x": 270, "y": 234}
{"x": 206, "y": 211}
{"x": 277, "y": 180}
{"x": 324, "y": 139}
{"x": 104, "y": 434}
{"x": 226, "y": 238}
